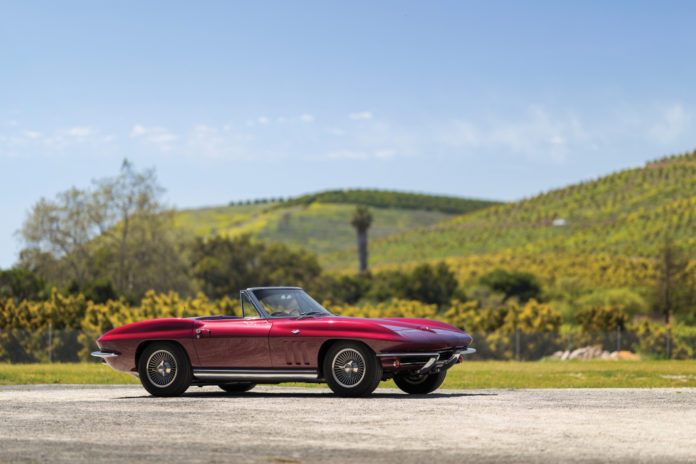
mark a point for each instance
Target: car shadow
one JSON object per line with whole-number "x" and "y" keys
{"x": 318, "y": 394}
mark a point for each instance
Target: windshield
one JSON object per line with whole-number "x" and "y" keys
{"x": 279, "y": 302}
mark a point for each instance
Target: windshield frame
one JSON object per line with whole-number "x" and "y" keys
{"x": 258, "y": 293}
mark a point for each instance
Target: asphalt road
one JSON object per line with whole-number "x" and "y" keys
{"x": 289, "y": 425}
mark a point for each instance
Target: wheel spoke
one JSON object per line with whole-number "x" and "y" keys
{"x": 348, "y": 367}
{"x": 161, "y": 368}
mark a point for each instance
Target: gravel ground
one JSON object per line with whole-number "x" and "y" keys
{"x": 276, "y": 424}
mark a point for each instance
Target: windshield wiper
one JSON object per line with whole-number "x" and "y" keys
{"x": 312, "y": 314}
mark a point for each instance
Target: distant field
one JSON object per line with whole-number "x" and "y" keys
{"x": 471, "y": 374}
{"x": 320, "y": 227}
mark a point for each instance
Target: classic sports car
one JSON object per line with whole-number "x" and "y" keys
{"x": 284, "y": 335}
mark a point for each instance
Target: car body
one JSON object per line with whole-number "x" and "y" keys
{"x": 284, "y": 335}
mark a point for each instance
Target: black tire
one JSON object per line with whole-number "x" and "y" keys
{"x": 237, "y": 387}
{"x": 351, "y": 369}
{"x": 164, "y": 369}
{"x": 420, "y": 385}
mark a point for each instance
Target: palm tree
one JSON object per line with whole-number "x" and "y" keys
{"x": 361, "y": 220}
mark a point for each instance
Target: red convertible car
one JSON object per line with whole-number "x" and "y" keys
{"x": 284, "y": 335}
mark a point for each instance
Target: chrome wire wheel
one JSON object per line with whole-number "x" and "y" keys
{"x": 161, "y": 368}
{"x": 348, "y": 367}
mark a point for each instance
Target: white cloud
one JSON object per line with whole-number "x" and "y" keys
{"x": 306, "y": 118}
{"x": 32, "y": 134}
{"x": 361, "y": 115}
{"x": 78, "y": 131}
{"x": 348, "y": 154}
{"x": 385, "y": 154}
{"x": 536, "y": 134}
{"x": 674, "y": 120}
{"x": 156, "y": 135}
{"x": 336, "y": 131}
{"x": 263, "y": 120}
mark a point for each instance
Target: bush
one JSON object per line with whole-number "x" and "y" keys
{"x": 522, "y": 285}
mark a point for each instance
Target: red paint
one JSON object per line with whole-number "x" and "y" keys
{"x": 270, "y": 343}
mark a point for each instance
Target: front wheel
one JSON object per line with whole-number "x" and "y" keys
{"x": 420, "y": 385}
{"x": 352, "y": 369}
{"x": 164, "y": 369}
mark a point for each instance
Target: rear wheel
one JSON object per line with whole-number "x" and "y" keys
{"x": 420, "y": 384}
{"x": 164, "y": 369}
{"x": 237, "y": 387}
{"x": 352, "y": 369}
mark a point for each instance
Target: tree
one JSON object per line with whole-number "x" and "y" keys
{"x": 223, "y": 266}
{"x": 522, "y": 285}
{"x": 118, "y": 203}
{"x": 117, "y": 230}
{"x": 430, "y": 284}
{"x": 22, "y": 284}
{"x": 673, "y": 291}
{"x": 62, "y": 229}
{"x": 361, "y": 220}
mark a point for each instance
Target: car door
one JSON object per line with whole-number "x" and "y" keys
{"x": 235, "y": 343}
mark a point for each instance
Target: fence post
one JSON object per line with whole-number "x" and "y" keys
{"x": 517, "y": 343}
{"x": 669, "y": 343}
{"x": 618, "y": 338}
{"x": 50, "y": 341}
{"x": 569, "y": 340}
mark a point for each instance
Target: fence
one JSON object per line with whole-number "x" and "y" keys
{"x": 662, "y": 344}
{"x": 45, "y": 346}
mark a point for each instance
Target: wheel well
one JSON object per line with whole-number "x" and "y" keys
{"x": 325, "y": 348}
{"x": 146, "y": 343}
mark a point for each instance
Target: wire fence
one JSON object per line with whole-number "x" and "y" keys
{"x": 46, "y": 346}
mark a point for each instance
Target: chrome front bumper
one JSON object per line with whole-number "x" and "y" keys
{"x": 434, "y": 360}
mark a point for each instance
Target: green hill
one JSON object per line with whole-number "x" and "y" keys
{"x": 321, "y": 222}
{"x": 621, "y": 217}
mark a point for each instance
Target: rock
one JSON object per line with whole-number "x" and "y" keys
{"x": 624, "y": 355}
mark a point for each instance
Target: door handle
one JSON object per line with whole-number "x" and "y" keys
{"x": 296, "y": 331}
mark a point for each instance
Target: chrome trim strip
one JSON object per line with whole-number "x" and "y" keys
{"x": 255, "y": 374}
{"x": 468, "y": 351}
{"x": 104, "y": 354}
{"x": 404, "y": 355}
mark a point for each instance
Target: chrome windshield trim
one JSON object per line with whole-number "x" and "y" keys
{"x": 104, "y": 354}
{"x": 405, "y": 355}
{"x": 255, "y": 374}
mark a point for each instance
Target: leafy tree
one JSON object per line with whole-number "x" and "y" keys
{"x": 62, "y": 229}
{"x": 22, "y": 284}
{"x": 116, "y": 230}
{"x": 222, "y": 266}
{"x": 522, "y": 285}
{"x": 98, "y": 290}
{"x": 601, "y": 318}
{"x": 361, "y": 220}
{"x": 430, "y": 284}
{"x": 674, "y": 286}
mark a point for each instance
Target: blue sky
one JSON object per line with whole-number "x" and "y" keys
{"x": 232, "y": 100}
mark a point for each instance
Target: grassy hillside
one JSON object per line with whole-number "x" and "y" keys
{"x": 616, "y": 223}
{"x": 321, "y": 226}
